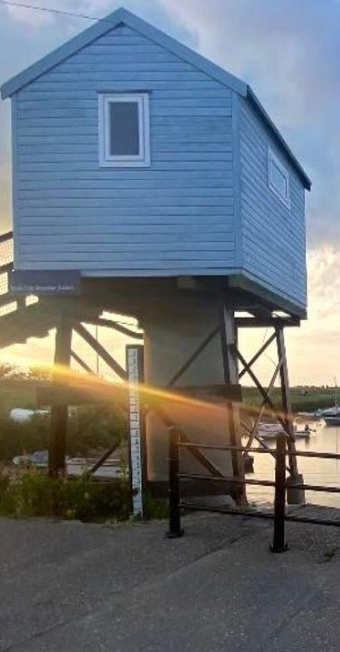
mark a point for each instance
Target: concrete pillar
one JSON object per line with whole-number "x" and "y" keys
{"x": 174, "y": 329}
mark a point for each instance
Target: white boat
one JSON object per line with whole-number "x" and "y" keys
{"x": 271, "y": 430}
{"x": 332, "y": 411}
{"x": 329, "y": 412}
{"x": 302, "y": 433}
{"x": 311, "y": 416}
{"x": 270, "y": 427}
{"x": 39, "y": 460}
{"x": 23, "y": 415}
{"x": 77, "y": 466}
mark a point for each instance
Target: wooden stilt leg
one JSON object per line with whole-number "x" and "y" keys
{"x": 230, "y": 367}
{"x": 59, "y": 413}
{"x": 294, "y": 496}
{"x": 286, "y": 399}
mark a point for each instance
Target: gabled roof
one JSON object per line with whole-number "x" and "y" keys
{"x": 131, "y": 20}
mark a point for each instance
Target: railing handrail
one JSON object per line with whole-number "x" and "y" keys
{"x": 6, "y": 236}
{"x": 6, "y": 268}
{"x": 280, "y": 485}
{"x": 242, "y": 449}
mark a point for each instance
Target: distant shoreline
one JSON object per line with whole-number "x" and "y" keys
{"x": 21, "y": 392}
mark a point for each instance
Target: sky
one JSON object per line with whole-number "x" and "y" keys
{"x": 288, "y": 50}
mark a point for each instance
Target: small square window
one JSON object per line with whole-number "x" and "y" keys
{"x": 278, "y": 178}
{"x": 124, "y": 130}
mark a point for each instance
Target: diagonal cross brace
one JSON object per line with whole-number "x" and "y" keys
{"x": 110, "y": 361}
{"x": 257, "y": 355}
{"x": 265, "y": 394}
{"x": 265, "y": 401}
{"x": 81, "y": 362}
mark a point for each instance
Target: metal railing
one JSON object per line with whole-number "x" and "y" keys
{"x": 6, "y": 264}
{"x": 280, "y": 485}
{"x": 8, "y": 302}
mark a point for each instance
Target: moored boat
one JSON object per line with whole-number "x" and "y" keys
{"x": 329, "y": 412}
{"x": 302, "y": 434}
{"x": 332, "y": 420}
{"x": 271, "y": 430}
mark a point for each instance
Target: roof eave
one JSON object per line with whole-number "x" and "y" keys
{"x": 252, "y": 97}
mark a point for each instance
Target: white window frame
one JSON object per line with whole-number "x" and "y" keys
{"x": 105, "y": 158}
{"x": 273, "y": 160}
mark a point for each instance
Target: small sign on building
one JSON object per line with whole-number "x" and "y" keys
{"x": 135, "y": 371}
{"x": 44, "y": 282}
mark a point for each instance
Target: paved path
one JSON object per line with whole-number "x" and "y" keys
{"x": 71, "y": 587}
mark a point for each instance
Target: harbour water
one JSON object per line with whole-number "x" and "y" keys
{"x": 315, "y": 471}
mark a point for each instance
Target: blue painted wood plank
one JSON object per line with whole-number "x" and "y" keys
{"x": 29, "y": 94}
{"x": 64, "y": 202}
{"x": 175, "y": 211}
{"x": 88, "y": 232}
{"x": 124, "y": 86}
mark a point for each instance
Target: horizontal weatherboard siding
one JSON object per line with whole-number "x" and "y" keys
{"x": 174, "y": 217}
{"x": 203, "y": 207}
{"x": 273, "y": 235}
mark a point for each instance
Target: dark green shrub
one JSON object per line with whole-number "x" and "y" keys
{"x": 35, "y": 494}
{"x": 155, "y": 508}
{"x": 88, "y": 428}
{"x": 4, "y": 482}
{"x": 20, "y": 438}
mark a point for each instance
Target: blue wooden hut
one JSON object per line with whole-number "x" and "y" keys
{"x": 133, "y": 156}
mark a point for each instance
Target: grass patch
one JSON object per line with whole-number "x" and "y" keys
{"x": 155, "y": 508}
{"x": 306, "y": 399}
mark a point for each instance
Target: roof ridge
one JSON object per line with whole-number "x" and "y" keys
{"x": 105, "y": 25}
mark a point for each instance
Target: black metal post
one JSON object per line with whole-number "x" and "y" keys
{"x": 175, "y": 530}
{"x": 279, "y": 544}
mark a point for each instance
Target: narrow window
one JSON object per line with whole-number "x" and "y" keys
{"x": 124, "y": 130}
{"x": 278, "y": 178}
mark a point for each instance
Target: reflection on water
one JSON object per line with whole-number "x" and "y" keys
{"x": 323, "y": 472}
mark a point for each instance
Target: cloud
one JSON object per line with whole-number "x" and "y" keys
{"x": 314, "y": 348}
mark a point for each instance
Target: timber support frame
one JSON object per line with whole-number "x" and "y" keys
{"x": 284, "y": 416}
{"x": 64, "y": 353}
